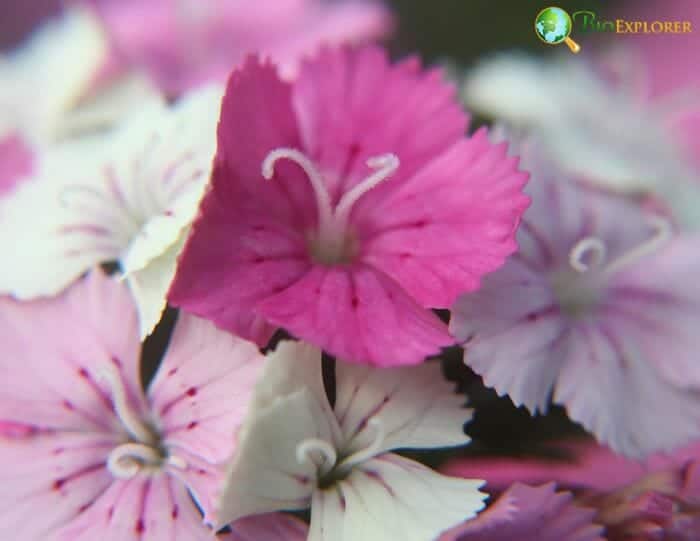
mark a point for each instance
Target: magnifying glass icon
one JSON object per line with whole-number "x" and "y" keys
{"x": 553, "y": 26}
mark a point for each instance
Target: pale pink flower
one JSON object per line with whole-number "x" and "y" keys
{"x": 184, "y": 43}
{"x": 297, "y": 451}
{"x": 599, "y": 311}
{"x": 344, "y": 205}
{"x": 87, "y": 454}
{"x": 530, "y": 513}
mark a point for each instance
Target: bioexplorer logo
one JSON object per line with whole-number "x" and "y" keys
{"x": 553, "y": 26}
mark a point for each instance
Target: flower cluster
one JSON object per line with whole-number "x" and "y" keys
{"x": 240, "y": 244}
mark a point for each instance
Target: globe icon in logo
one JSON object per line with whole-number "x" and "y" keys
{"x": 553, "y": 26}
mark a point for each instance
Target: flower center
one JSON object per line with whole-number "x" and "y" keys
{"x": 329, "y": 465}
{"x": 143, "y": 452}
{"x": 332, "y": 243}
{"x": 579, "y": 287}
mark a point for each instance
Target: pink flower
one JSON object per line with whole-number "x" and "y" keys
{"x": 655, "y": 499}
{"x": 84, "y": 452}
{"x": 662, "y": 505}
{"x": 600, "y": 308}
{"x": 344, "y": 205}
{"x": 183, "y": 43}
{"x": 528, "y": 513}
{"x": 579, "y": 465}
{"x": 16, "y": 161}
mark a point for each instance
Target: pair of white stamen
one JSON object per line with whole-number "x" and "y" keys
{"x": 143, "y": 454}
{"x": 325, "y": 457}
{"x": 331, "y": 241}
{"x": 594, "y": 248}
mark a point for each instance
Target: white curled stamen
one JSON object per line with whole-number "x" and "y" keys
{"x": 129, "y": 459}
{"x": 323, "y": 198}
{"x": 662, "y": 233}
{"x": 333, "y": 222}
{"x": 129, "y": 419}
{"x": 384, "y": 166}
{"x": 308, "y": 447}
{"x": 368, "y": 452}
{"x": 595, "y": 246}
{"x": 588, "y": 245}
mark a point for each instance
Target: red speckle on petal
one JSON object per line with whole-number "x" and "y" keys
{"x": 117, "y": 362}
{"x": 175, "y": 512}
{"x": 58, "y": 484}
{"x": 140, "y": 528}
{"x": 172, "y": 371}
{"x": 83, "y": 373}
{"x": 110, "y": 513}
{"x": 420, "y": 224}
{"x": 355, "y": 302}
{"x": 57, "y": 451}
{"x": 192, "y": 425}
{"x": 84, "y": 507}
{"x": 192, "y": 391}
{"x": 68, "y": 405}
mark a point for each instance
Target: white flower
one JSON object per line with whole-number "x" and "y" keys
{"x": 296, "y": 451}
{"x": 49, "y": 85}
{"x": 606, "y": 131}
{"x": 127, "y": 197}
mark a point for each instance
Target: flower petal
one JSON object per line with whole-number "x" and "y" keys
{"x": 657, "y": 301}
{"x": 49, "y": 478}
{"x": 157, "y": 509}
{"x": 55, "y": 228}
{"x": 55, "y": 382}
{"x": 606, "y": 386}
{"x": 353, "y": 104}
{"x": 358, "y": 314}
{"x": 415, "y": 405}
{"x": 203, "y": 386}
{"x": 243, "y": 235}
{"x": 49, "y": 74}
{"x": 269, "y": 527}
{"x": 149, "y": 286}
{"x": 530, "y": 514}
{"x": 390, "y": 497}
{"x": 266, "y": 474}
{"x": 450, "y": 223}
{"x": 513, "y": 334}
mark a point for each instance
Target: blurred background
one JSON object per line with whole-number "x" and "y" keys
{"x": 459, "y": 29}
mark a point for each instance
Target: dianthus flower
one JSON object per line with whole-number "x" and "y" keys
{"x": 296, "y": 451}
{"x": 600, "y": 307}
{"x": 344, "y": 205}
{"x": 85, "y": 452}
